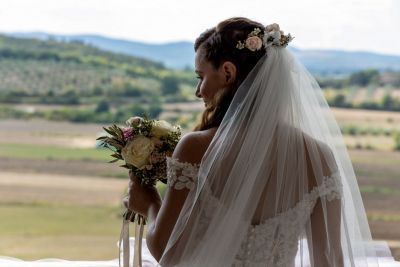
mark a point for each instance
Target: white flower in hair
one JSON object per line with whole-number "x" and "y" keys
{"x": 272, "y": 27}
{"x": 277, "y": 37}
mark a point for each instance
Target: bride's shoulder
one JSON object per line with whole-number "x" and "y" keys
{"x": 192, "y": 146}
{"x": 318, "y": 149}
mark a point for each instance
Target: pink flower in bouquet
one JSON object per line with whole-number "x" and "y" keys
{"x": 128, "y": 133}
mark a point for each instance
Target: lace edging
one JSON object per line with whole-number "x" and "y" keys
{"x": 181, "y": 175}
{"x": 331, "y": 187}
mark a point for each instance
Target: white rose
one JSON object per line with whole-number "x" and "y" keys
{"x": 138, "y": 151}
{"x": 277, "y": 37}
{"x": 254, "y": 43}
{"x": 161, "y": 129}
{"x": 272, "y": 27}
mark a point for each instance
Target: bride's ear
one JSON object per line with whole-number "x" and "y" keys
{"x": 229, "y": 71}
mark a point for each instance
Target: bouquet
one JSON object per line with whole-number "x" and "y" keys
{"x": 144, "y": 145}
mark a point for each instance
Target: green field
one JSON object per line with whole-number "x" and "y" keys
{"x": 43, "y": 230}
{"x": 47, "y": 152}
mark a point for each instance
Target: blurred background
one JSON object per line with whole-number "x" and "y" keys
{"x": 68, "y": 68}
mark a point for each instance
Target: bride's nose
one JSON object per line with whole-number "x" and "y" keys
{"x": 198, "y": 92}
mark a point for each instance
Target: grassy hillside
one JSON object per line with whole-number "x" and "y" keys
{"x": 106, "y": 86}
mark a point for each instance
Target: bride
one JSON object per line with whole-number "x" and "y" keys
{"x": 265, "y": 179}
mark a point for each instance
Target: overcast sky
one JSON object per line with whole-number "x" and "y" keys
{"x": 366, "y": 25}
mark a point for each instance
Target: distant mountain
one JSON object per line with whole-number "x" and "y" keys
{"x": 176, "y": 55}
{"x": 343, "y": 62}
{"x": 181, "y": 55}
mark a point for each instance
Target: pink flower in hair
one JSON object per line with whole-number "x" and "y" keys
{"x": 254, "y": 43}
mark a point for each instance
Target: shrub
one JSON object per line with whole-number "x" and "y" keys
{"x": 170, "y": 85}
{"x": 396, "y": 137}
{"x": 102, "y": 106}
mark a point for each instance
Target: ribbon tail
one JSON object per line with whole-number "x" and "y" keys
{"x": 137, "y": 257}
{"x": 124, "y": 238}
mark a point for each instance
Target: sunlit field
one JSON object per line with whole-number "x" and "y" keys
{"x": 60, "y": 198}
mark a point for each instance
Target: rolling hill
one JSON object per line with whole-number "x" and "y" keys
{"x": 44, "y": 66}
{"x": 180, "y": 54}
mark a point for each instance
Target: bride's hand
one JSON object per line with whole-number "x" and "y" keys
{"x": 140, "y": 197}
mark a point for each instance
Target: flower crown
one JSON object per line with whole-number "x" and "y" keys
{"x": 272, "y": 35}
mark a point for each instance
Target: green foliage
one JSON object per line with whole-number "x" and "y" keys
{"x": 8, "y": 112}
{"x": 332, "y": 82}
{"x": 390, "y": 103}
{"x": 339, "y": 101}
{"x": 364, "y": 78}
{"x": 360, "y": 78}
{"x": 50, "y": 50}
{"x": 369, "y": 105}
{"x": 102, "y": 106}
{"x": 51, "y": 72}
{"x": 45, "y": 152}
{"x": 170, "y": 85}
{"x": 397, "y": 141}
{"x": 154, "y": 110}
{"x": 359, "y": 131}
{"x": 350, "y": 130}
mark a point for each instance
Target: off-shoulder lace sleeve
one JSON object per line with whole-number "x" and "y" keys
{"x": 331, "y": 187}
{"x": 181, "y": 175}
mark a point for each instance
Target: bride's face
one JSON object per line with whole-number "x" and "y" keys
{"x": 211, "y": 80}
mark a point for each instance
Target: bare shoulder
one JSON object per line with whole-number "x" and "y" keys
{"x": 193, "y": 145}
{"x": 323, "y": 152}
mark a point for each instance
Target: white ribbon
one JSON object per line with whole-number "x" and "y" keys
{"x": 124, "y": 239}
{"x": 137, "y": 256}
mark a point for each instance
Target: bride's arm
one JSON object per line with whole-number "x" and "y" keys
{"x": 324, "y": 234}
{"x": 162, "y": 216}
{"x": 326, "y": 249}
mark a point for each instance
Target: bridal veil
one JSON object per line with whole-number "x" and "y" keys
{"x": 277, "y": 146}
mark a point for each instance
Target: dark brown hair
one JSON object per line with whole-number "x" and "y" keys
{"x": 218, "y": 45}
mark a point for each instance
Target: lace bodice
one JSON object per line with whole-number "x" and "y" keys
{"x": 275, "y": 241}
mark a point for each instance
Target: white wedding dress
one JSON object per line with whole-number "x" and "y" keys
{"x": 276, "y": 241}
